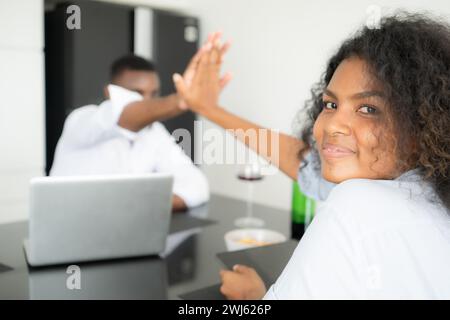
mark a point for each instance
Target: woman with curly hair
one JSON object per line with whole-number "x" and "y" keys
{"x": 376, "y": 149}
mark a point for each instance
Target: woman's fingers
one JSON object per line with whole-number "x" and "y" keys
{"x": 208, "y": 69}
{"x": 212, "y": 37}
{"x": 190, "y": 70}
{"x": 228, "y": 283}
{"x": 225, "y": 80}
{"x": 223, "y": 273}
{"x": 193, "y": 62}
{"x": 200, "y": 85}
{"x": 242, "y": 283}
{"x": 212, "y": 66}
{"x": 239, "y": 268}
{"x": 201, "y": 73}
{"x": 219, "y": 50}
{"x": 216, "y": 52}
{"x": 214, "y": 55}
{"x": 215, "y": 40}
{"x": 224, "y": 48}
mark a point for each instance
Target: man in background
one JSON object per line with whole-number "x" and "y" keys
{"x": 122, "y": 135}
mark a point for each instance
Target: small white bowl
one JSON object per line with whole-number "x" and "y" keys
{"x": 239, "y": 239}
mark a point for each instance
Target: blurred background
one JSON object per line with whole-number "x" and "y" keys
{"x": 279, "y": 50}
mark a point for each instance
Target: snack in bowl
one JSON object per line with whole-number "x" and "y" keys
{"x": 253, "y": 242}
{"x": 248, "y": 238}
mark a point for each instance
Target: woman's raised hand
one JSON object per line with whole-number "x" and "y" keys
{"x": 201, "y": 83}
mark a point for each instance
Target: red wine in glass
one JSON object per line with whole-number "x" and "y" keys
{"x": 242, "y": 176}
{"x": 250, "y": 174}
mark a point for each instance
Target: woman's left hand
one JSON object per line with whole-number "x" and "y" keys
{"x": 243, "y": 283}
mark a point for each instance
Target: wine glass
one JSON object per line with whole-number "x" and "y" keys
{"x": 250, "y": 173}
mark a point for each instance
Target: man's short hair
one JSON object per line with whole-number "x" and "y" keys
{"x": 130, "y": 62}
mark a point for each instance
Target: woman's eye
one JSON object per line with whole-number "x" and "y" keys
{"x": 329, "y": 105}
{"x": 368, "y": 110}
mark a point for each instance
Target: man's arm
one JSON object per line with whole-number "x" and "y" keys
{"x": 139, "y": 114}
{"x": 178, "y": 204}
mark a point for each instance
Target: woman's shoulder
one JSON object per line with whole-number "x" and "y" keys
{"x": 372, "y": 201}
{"x": 352, "y": 190}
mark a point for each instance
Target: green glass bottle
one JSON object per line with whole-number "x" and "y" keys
{"x": 303, "y": 210}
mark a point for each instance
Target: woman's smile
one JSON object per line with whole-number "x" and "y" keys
{"x": 331, "y": 151}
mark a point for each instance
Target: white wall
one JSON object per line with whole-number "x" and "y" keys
{"x": 160, "y": 4}
{"x": 22, "y": 103}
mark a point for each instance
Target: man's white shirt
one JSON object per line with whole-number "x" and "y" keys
{"x": 92, "y": 143}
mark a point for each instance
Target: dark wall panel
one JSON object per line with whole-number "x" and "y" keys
{"x": 106, "y": 35}
{"x": 78, "y": 61}
{"x": 173, "y": 48}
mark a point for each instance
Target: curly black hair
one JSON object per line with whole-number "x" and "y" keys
{"x": 409, "y": 55}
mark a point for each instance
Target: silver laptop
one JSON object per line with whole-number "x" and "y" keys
{"x": 76, "y": 219}
{"x": 136, "y": 279}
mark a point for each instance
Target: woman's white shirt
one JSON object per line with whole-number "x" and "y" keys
{"x": 371, "y": 239}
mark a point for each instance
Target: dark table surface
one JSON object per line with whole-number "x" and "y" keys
{"x": 190, "y": 261}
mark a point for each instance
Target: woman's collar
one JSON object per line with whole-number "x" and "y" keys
{"x": 410, "y": 176}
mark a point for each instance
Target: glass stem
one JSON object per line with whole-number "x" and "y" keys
{"x": 250, "y": 200}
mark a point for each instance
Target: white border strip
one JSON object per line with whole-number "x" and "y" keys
{"x": 143, "y": 32}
